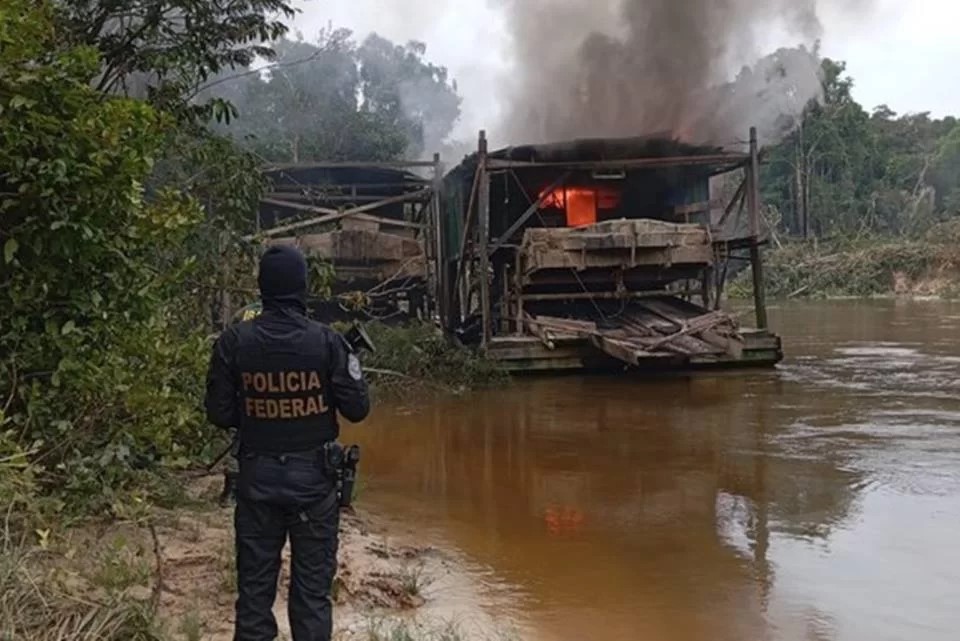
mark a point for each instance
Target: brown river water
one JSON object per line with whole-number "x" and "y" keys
{"x": 817, "y": 501}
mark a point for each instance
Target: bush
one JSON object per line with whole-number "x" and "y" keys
{"x": 96, "y": 381}
{"x": 864, "y": 267}
{"x": 418, "y": 354}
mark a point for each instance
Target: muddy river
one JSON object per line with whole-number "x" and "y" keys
{"x": 818, "y": 501}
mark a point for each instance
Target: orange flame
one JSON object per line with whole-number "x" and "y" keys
{"x": 580, "y": 204}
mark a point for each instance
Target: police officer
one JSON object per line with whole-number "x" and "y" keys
{"x": 282, "y": 379}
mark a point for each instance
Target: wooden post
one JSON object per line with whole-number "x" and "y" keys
{"x": 753, "y": 205}
{"x": 518, "y": 285}
{"x": 483, "y": 219}
{"x": 505, "y": 302}
{"x": 438, "y": 289}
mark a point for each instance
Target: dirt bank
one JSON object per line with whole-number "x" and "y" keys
{"x": 389, "y": 585}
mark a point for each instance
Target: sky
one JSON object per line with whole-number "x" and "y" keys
{"x": 903, "y": 53}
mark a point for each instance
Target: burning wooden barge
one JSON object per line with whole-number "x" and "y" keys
{"x": 600, "y": 253}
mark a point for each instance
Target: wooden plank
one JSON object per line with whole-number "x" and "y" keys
{"x": 699, "y": 324}
{"x": 531, "y": 210}
{"x": 393, "y": 164}
{"x": 621, "y": 350}
{"x": 558, "y": 259}
{"x": 567, "y": 323}
{"x": 483, "y": 220}
{"x": 676, "y": 161}
{"x": 329, "y": 215}
{"x": 692, "y": 208}
{"x": 730, "y": 346}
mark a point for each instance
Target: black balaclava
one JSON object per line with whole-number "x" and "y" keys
{"x": 283, "y": 279}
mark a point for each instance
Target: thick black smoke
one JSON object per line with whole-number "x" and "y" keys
{"x": 585, "y": 68}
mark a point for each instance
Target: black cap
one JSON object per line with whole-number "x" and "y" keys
{"x": 283, "y": 272}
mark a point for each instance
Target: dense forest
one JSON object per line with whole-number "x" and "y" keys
{"x": 849, "y": 171}
{"x": 862, "y": 202}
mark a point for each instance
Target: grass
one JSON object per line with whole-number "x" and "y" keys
{"x": 228, "y": 568}
{"x": 34, "y": 606}
{"x": 413, "y": 580}
{"x": 191, "y": 627}
{"x": 121, "y": 567}
{"x": 402, "y": 630}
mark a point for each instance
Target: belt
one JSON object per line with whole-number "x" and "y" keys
{"x": 313, "y": 454}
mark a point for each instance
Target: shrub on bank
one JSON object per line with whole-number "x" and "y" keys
{"x": 873, "y": 266}
{"x": 418, "y": 356}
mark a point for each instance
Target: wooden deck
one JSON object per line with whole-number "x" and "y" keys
{"x": 571, "y": 353}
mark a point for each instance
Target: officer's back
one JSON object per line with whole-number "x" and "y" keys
{"x": 282, "y": 379}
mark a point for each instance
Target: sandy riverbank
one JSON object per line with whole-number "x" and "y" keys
{"x": 390, "y": 585}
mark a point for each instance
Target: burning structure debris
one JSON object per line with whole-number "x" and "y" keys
{"x": 601, "y": 252}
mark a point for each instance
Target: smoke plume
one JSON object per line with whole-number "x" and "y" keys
{"x": 599, "y": 68}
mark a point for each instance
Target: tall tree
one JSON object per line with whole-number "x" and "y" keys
{"x": 845, "y": 171}
{"x": 336, "y": 100}
{"x": 165, "y": 49}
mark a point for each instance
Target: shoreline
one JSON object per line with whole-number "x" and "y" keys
{"x": 892, "y": 296}
{"x": 390, "y": 585}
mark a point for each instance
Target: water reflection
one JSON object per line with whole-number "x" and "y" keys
{"x": 706, "y": 508}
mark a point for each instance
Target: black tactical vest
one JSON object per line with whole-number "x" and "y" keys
{"x": 285, "y": 402}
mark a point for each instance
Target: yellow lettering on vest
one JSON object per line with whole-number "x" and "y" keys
{"x": 285, "y": 408}
{"x": 260, "y": 382}
{"x": 312, "y": 407}
{"x": 260, "y": 407}
{"x": 293, "y": 381}
{"x": 322, "y": 404}
{"x": 273, "y": 408}
{"x": 298, "y": 409}
{"x": 272, "y": 386}
{"x": 247, "y": 379}
{"x": 313, "y": 382}
{"x": 249, "y": 406}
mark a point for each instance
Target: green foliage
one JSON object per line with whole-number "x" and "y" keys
{"x": 853, "y": 172}
{"x": 98, "y": 381}
{"x": 165, "y": 49}
{"x": 421, "y": 355}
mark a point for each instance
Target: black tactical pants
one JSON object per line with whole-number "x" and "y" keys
{"x": 276, "y": 500}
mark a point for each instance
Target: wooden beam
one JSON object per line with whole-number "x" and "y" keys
{"x": 581, "y": 295}
{"x": 531, "y": 210}
{"x": 618, "y": 349}
{"x": 330, "y": 216}
{"x": 393, "y": 164}
{"x": 483, "y": 207}
{"x": 468, "y": 221}
{"x": 314, "y": 209}
{"x": 756, "y": 261}
{"x": 738, "y": 196}
{"x": 439, "y": 291}
{"x": 636, "y": 163}
{"x": 694, "y": 326}
{"x": 349, "y": 187}
{"x": 290, "y": 197}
